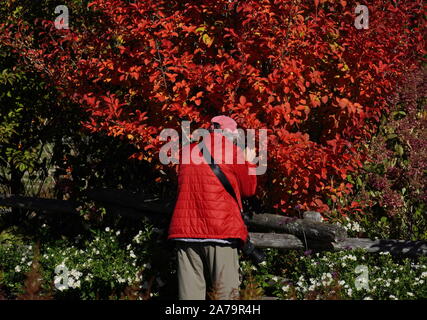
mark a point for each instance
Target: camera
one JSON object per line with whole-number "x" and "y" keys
{"x": 248, "y": 248}
{"x": 256, "y": 255}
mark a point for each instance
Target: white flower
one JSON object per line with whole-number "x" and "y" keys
{"x": 132, "y": 254}
{"x": 17, "y": 269}
{"x": 76, "y": 274}
{"x": 367, "y": 298}
{"x": 263, "y": 263}
{"x": 137, "y": 238}
{"x": 393, "y": 297}
{"x": 285, "y": 288}
{"x": 275, "y": 279}
{"x": 356, "y": 227}
{"x": 107, "y": 229}
{"x": 410, "y": 294}
{"x": 118, "y": 232}
{"x": 350, "y": 292}
{"x": 71, "y": 282}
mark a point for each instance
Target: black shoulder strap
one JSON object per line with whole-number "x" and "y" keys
{"x": 218, "y": 172}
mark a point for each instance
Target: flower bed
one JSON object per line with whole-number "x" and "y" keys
{"x": 108, "y": 267}
{"x": 340, "y": 275}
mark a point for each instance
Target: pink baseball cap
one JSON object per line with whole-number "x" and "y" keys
{"x": 226, "y": 123}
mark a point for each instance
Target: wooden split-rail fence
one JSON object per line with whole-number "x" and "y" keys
{"x": 266, "y": 230}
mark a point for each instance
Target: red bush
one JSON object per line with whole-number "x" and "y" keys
{"x": 298, "y": 68}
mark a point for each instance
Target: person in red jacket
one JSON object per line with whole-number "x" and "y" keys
{"x": 207, "y": 223}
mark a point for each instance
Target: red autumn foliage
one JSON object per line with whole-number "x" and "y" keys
{"x": 297, "y": 68}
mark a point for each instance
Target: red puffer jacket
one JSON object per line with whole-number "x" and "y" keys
{"x": 204, "y": 209}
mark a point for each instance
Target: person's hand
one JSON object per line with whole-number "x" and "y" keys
{"x": 250, "y": 154}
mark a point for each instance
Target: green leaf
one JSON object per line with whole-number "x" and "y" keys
{"x": 399, "y": 149}
{"x": 207, "y": 39}
{"x": 391, "y": 136}
{"x": 395, "y": 113}
{"x": 22, "y": 167}
{"x": 200, "y": 29}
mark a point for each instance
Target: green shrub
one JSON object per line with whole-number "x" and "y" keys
{"x": 340, "y": 275}
{"x": 104, "y": 266}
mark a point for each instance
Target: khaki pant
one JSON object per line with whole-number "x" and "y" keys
{"x": 207, "y": 271}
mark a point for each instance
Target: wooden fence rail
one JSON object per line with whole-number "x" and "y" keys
{"x": 278, "y": 231}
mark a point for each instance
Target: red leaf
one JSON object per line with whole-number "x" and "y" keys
{"x": 242, "y": 100}
{"x": 325, "y": 99}
{"x": 343, "y": 102}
